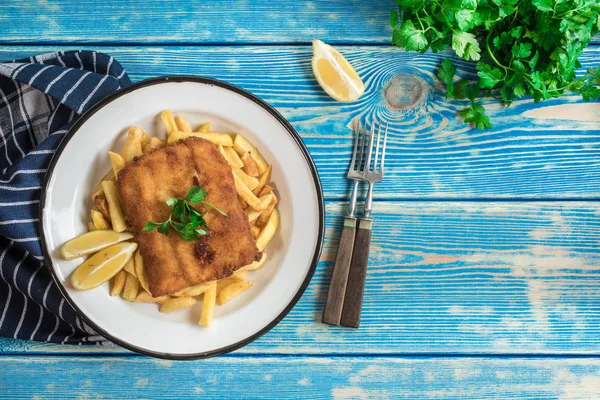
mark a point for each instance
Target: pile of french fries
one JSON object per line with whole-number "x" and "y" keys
{"x": 252, "y": 175}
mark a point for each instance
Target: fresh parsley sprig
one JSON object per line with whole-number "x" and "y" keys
{"x": 523, "y": 47}
{"x": 186, "y": 220}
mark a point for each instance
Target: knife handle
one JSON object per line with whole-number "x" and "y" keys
{"x": 337, "y": 287}
{"x": 356, "y": 278}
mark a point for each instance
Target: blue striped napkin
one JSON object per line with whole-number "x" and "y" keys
{"x": 40, "y": 97}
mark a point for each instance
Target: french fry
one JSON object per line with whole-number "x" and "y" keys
{"x": 223, "y": 139}
{"x": 117, "y": 161}
{"x": 118, "y": 282}
{"x": 98, "y": 220}
{"x": 208, "y": 305}
{"x": 246, "y": 194}
{"x": 145, "y": 139}
{"x": 182, "y": 124}
{"x": 98, "y": 191}
{"x": 221, "y": 283}
{"x": 140, "y": 272}
{"x": 204, "y": 128}
{"x": 177, "y": 303}
{"x": 231, "y": 157}
{"x": 153, "y": 144}
{"x": 102, "y": 205}
{"x": 250, "y": 166}
{"x": 253, "y": 215}
{"x": 242, "y": 145}
{"x": 248, "y": 180}
{"x": 176, "y": 136}
{"x": 167, "y": 118}
{"x": 240, "y": 274}
{"x": 91, "y": 226}
{"x": 236, "y": 277}
{"x": 266, "y": 190}
{"x": 132, "y": 287}
{"x": 255, "y": 265}
{"x": 242, "y": 202}
{"x": 130, "y": 267}
{"x": 255, "y": 231}
{"x": 264, "y": 178}
{"x": 145, "y": 297}
{"x": 268, "y": 231}
{"x": 217, "y": 138}
{"x": 114, "y": 207}
{"x": 196, "y": 290}
{"x": 133, "y": 144}
{"x": 232, "y": 291}
{"x": 270, "y": 200}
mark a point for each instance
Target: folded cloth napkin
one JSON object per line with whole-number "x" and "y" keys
{"x": 40, "y": 97}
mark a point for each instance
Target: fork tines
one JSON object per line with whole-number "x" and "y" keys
{"x": 363, "y": 162}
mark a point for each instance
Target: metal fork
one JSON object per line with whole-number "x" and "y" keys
{"x": 360, "y": 170}
{"x": 372, "y": 172}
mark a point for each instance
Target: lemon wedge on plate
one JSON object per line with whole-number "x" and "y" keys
{"x": 102, "y": 266}
{"x": 335, "y": 74}
{"x": 91, "y": 242}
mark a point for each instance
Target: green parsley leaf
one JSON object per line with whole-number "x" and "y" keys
{"x": 460, "y": 89}
{"x": 393, "y": 18}
{"x": 150, "y": 226}
{"x": 466, "y": 46}
{"x": 594, "y": 73}
{"x": 411, "y": 4}
{"x": 543, "y": 5}
{"x": 196, "y": 195}
{"x": 446, "y": 74}
{"x": 464, "y": 19}
{"x": 412, "y": 38}
{"x": 522, "y": 50}
{"x": 488, "y": 76}
{"x": 476, "y": 114}
{"x": 590, "y": 92}
{"x": 164, "y": 228}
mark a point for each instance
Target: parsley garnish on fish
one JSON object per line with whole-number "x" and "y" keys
{"x": 186, "y": 220}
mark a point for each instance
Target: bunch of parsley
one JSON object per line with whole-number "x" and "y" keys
{"x": 522, "y": 47}
{"x": 185, "y": 219}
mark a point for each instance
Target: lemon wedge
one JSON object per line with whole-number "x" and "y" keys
{"x": 91, "y": 242}
{"x": 102, "y": 266}
{"x": 335, "y": 74}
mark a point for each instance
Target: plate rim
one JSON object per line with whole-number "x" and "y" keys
{"x": 206, "y": 81}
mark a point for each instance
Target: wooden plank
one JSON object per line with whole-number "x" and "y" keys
{"x": 300, "y": 378}
{"x": 535, "y": 152}
{"x": 180, "y": 21}
{"x": 464, "y": 277}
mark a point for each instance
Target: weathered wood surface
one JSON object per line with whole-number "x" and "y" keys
{"x": 195, "y": 22}
{"x": 460, "y": 278}
{"x": 301, "y": 378}
{"x": 181, "y": 21}
{"x": 508, "y": 266}
{"x": 548, "y": 150}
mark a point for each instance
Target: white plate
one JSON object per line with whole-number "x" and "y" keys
{"x": 81, "y": 161}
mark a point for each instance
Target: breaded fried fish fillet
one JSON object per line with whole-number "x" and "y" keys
{"x": 172, "y": 263}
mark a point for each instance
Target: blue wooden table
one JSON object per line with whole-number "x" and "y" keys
{"x": 484, "y": 277}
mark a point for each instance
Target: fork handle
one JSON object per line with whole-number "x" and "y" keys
{"x": 356, "y": 278}
{"x": 337, "y": 287}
